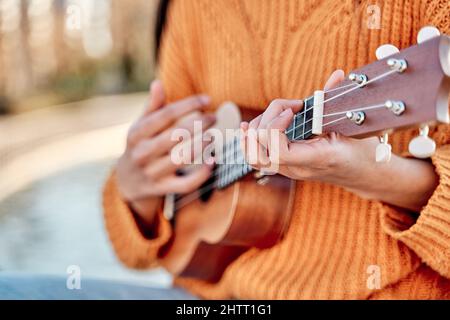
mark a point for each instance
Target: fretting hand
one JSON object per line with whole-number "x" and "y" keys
{"x": 336, "y": 159}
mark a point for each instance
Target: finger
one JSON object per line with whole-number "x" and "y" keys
{"x": 279, "y": 124}
{"x": 244, "y": 126}
{"x": 279, "y": 148}
{"x": 164, "y": 142}
{"x": 254, "y": 152}
{"x": 336, "y": 77}
{"x": 193, "y": 151}
{"x": 255, "y": 123}
{"x": 166, "y": 116}
{"x": 308, "y": 154}
{"x": 283, "y": 152}
{"x": 162, "y": 167}
{"x": 274, "y": 110}
{"x": 278, "y": 141}
{"x": 157, "y": 96}
{"x": 282, "y": 121}
{"x": 160, "y": 119}
{"x": 251, "y": 128}
{"x": 243, "y": 138}
{"x": 187, "y": 183}
{"x": 166, "y": 165}
{"x": 276, "y": 107}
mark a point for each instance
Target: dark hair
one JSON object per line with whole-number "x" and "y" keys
{"x": 161, "y": 16}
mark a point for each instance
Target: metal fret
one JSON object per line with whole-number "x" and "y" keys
{"x": 309, "y": 111}
{"x": 234, "y": 167}
{"x": 305, "y": 110}
{"x": 301, "y": 126}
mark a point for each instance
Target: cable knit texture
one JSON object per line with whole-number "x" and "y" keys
{"x": 254, "y": 51}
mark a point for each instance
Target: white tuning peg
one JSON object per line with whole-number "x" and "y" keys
{"x": 383, "y": 151}
{"x": 385, "y": 50}
{"x": 426, "y": 33}
{"x": 422, "y": 146}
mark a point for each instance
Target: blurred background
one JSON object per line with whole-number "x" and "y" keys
{"x": 73, "y": 76}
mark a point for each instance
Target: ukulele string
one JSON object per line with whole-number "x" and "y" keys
{"x": 198, "y": 193}
{"x": 335, "y": 114}
{"x": 216, "y": 172}
{"x": 225, "y": 156}
{"x": 376, "y": 106}
{"x": 355, "y": 86}
{"x": 185, "y": 200}
{"x": 381, "y": 76}
{"x": 340, "y": 88}
{"x": 193, "y": 196}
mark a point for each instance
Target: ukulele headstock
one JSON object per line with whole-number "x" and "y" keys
{"x": 402, "y": 89}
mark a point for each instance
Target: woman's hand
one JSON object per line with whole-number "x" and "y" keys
{"x": 145, "y": 171}
{"x": 333, "y": 158}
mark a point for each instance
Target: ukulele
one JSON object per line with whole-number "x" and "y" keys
{"x": 239, "y": 208}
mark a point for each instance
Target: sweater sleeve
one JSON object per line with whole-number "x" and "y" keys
{"x": 133, "y": 248}
{"x": 428, "y": 234}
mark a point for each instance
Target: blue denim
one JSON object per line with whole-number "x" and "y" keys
{"x": 29, "y": 287}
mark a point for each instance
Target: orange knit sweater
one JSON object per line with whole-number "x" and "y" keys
{"x": 253, "y": 51}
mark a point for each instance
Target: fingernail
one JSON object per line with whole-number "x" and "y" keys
{"x": 204, "y": 99}
{"x": 211, "y": 161}
{"x": 244, "y": 125}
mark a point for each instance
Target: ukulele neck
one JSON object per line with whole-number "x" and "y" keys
{"x": 233, "y": 166}
{"x": 301, "y": 126}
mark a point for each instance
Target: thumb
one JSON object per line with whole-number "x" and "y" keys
{"x": 157, "y": 96}
{"x": 336, "y": 77}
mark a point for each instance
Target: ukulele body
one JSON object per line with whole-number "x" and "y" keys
{"x": 210, "y": 233}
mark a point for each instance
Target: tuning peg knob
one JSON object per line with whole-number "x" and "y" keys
{"x": 427, "y": 33}
{"x": 422, "y": 146}
{"x": 385, "y": 50}
{"x": 383, "y": 151}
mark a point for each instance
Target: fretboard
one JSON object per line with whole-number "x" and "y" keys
{"x": 233, "y": 167}
{"x": 301, "y": 126}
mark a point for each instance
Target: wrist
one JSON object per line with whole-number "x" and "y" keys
{"x": 146, "y": 210}
{"x": 404, "y": 182}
